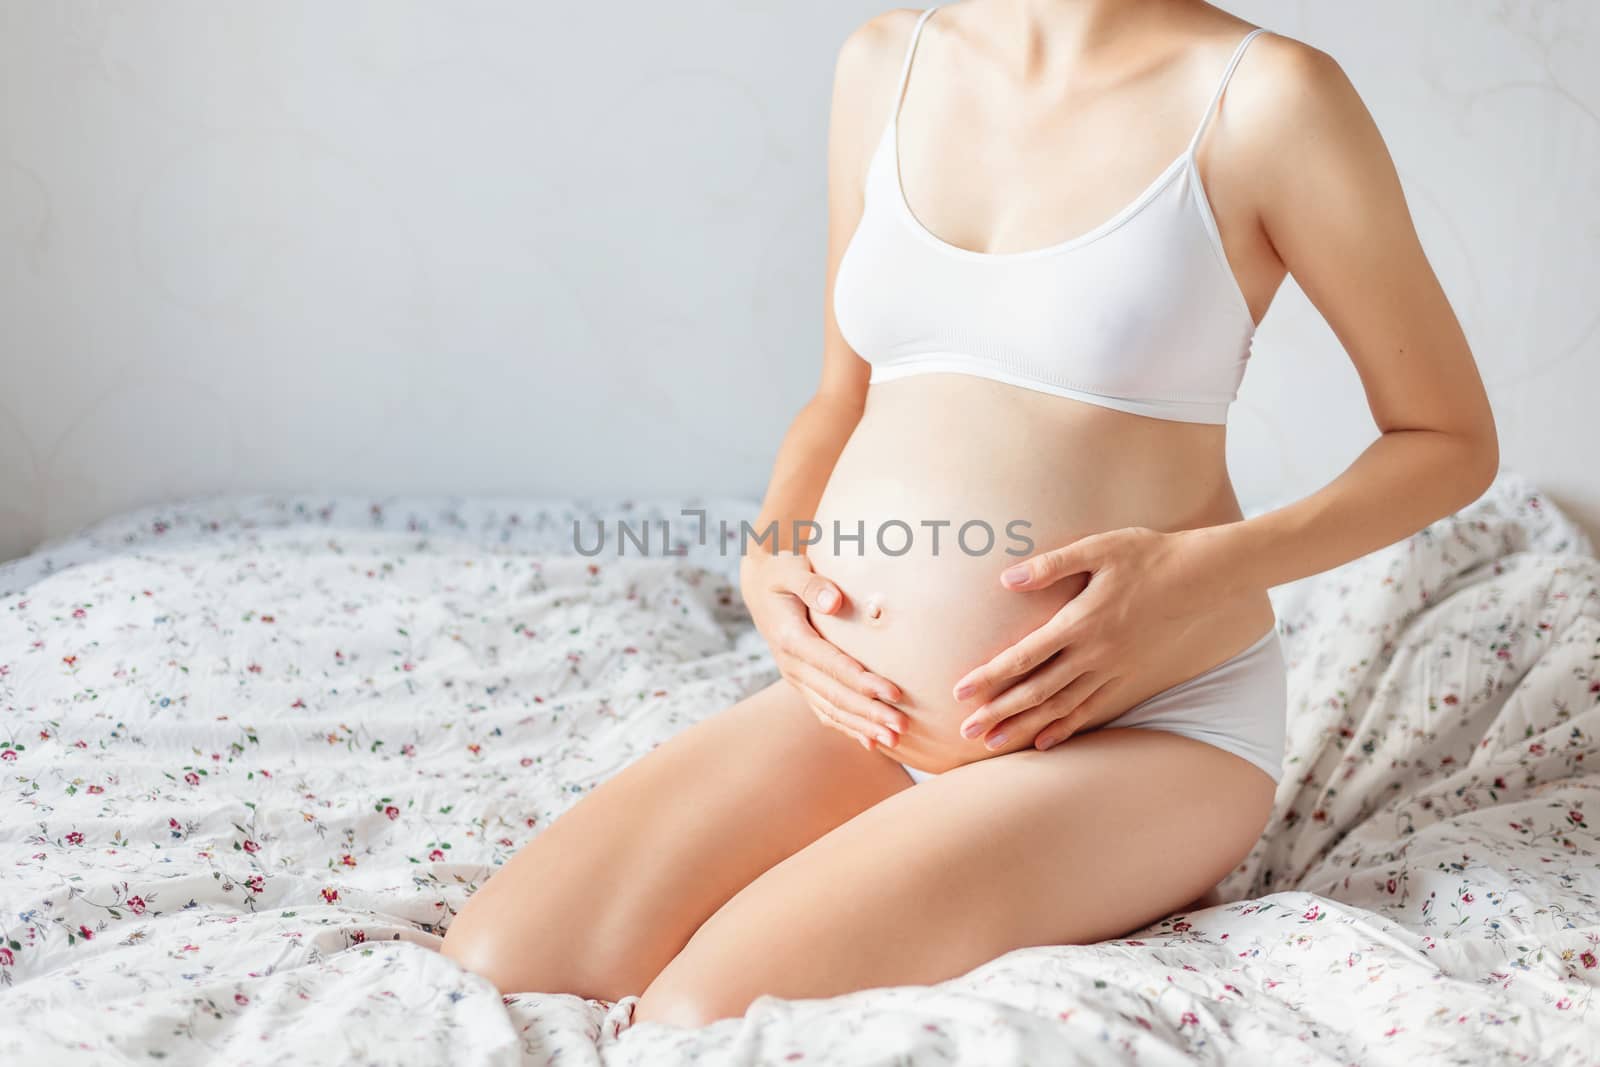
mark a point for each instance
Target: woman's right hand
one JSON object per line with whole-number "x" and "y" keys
{"x": 778, "y": 589}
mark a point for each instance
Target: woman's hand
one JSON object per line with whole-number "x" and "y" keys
{"x": 1147, "y": 590}
{"x": 778, "y": 589}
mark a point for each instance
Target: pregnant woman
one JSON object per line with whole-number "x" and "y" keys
{"x": 1031, "y": 688}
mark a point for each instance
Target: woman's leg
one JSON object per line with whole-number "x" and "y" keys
{"x": 1092, "y": 839}
{"x": 598, "y": 903}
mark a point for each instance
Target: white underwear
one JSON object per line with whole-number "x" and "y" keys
{"x": 1240, "y": 706}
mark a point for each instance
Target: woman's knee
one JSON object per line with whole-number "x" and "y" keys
{"x": 520, "y": 961}
{"x": 523, "y": 941}
{"x": 688, "y": 1002}
{"x": 486, "y": 957}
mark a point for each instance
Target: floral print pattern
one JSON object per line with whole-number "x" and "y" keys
{"x": 255, "y": 751}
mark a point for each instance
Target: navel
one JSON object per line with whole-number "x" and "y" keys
{"x": 872, "y": 610}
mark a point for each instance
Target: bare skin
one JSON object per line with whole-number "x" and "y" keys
{"x": 759, "y": 852}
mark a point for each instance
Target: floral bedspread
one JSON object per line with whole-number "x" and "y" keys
{"x": 256, "y": 750}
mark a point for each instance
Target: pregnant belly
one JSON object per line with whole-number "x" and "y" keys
{"x": 919, "y": 520}
{"x": 924, "y": 618}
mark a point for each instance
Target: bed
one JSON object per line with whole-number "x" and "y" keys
{"x": 256, "y": 750}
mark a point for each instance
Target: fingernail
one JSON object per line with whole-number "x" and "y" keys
{"x": 886, "y": 737}
{"x": 885, "y": 694}
{"x": 966, "y": 691}
{"x": 1015, "y": 576}
{"x": 972, "y": 729}
{"x": 865, "y": 743}
{"x": 827, "y": 599}
{"x": 996, "y": 741}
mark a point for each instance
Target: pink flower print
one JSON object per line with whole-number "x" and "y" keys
{"x": 6, "y": 958}
{"x": 135, "y": 905}
{"x": 1587, "y": 959}
{"x": 348, "y": 860}
{"x": 359, "y": 937}
{"x": 8, "y": 753}
{"x": 1575, "y": 817}
{"x": 192, "y": 778}
{"x": 78, "y": 613}
{"x": 1564, "y": 1003}
{"x": 75, "y": 838}
{"x": 251, "y": 846}
{"x": 391, "y": 811}
{"x": 527, "y": 761}
{"x": 505, "y": 842}
{"x": 254, "y": 668}
{"x": 408, "y": 749}
{"x": 97, "y": 789}
{"x": 474, "y": 748}
{"x": 1537, "y": 748}
{"x": 1312, "y": 912}
{"x": 86, "y": 933}
{"x": 240, "y": 999}
{"x": 330, "y": 895}
{"x": 1392, "y": 885}
{"x": 436, "y": 855}
{"x": 1467, "y": 898}
{"x": 255, "y": 883}
{"x": 1180, "y": 927}
{"x": 1188, "y": 1018}
{"x": 1451, "y": 700}
{"x": 70, "y": 661}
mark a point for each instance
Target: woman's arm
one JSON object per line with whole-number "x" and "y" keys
{"x": 1297, "y": 142}
{"x": 1333, "y": 208}
{"x": 776, "y": 579}
{"x": 862, "y": 75}
{"x": 806, "y": 458}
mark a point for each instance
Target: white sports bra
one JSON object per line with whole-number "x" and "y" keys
{"x": 1142, "y": 313}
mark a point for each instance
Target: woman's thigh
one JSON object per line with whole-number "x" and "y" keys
{"x": 1092, "y": 839}
{"x": 598, "y": 902}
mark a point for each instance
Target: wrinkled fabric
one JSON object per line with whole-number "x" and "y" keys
{"x": 256, "y": 750}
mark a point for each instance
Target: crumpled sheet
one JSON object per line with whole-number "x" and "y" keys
{"x": 256, "y": 750}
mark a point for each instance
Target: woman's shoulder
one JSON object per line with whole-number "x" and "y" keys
{"x": 880, "y": 38}
{"x": 1277, "y": 69}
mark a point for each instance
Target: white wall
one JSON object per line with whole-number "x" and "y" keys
{"x": 474, "y": 247}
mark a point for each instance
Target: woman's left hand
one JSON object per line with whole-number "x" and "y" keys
{"x": 1147, "y": 591}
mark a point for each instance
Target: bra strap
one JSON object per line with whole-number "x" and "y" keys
{"x": 1227, "y": 73}
{"x": 905, "y": 65}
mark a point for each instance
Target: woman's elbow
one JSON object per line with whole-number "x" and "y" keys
{"x": 1483, "y": 458}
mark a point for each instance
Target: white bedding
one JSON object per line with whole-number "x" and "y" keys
{"x": 255, "y": 750}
